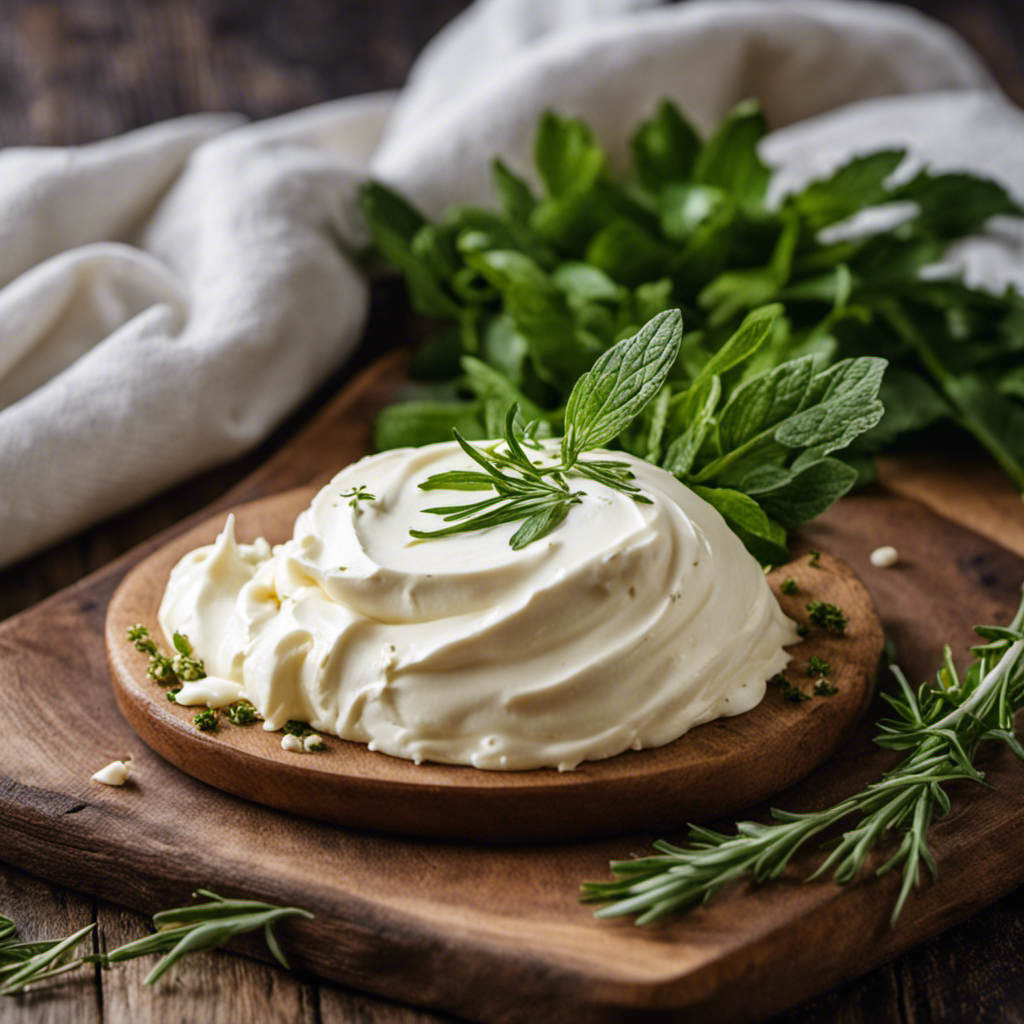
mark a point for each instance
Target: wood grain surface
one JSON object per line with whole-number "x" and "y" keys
{"x": 75, "y": 70}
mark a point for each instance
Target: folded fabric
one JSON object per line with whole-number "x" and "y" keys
{"x": 167, "y": 297}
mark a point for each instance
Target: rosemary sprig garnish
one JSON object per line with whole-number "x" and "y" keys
{"x": 24, "y": 963}
{"x": 536, "y": 491}
{"x": 941, "y": 726}
{"x": 204, "y": 926}
{"x": 181, "y": 931}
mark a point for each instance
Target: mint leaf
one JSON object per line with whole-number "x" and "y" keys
{"x": 856, "y": 185}
{"x": 497, "y": 393}
{"x": 729, "y": 159}
{"x": 845, "y": 398}
{"x": 412, "y": 424}
{"x": 567, "y": 156}
{"x": 517, "y": 200}
{"x": 763, "y": 538}
{"x": 394, "y": 224}
{"x": 954, "y": 205}
{"x": 608, "y": 397}
{"x": 682, "y": 452}
{"x": 683, "y": 208}
{"x": 793, "y": 496}
{"x": 664, "y": 148}
{"x": 629, "y": 253}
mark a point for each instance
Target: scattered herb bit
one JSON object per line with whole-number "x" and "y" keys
{"x": 242, "y": 712}
{"x": 179, "y": 932}
{"x": 827, "y": 616}
{"x": 207, "y": 721}
{"x": 294, "y": 728}
{"x": 802, "y": 629}
{"x": 789, "y": 691}
{"x": 313, "y": 744}
{"x": 358, "y": 494}
{"x": 172, "y": 694}
{"x": 789, "y": 586}
{"x": 823, "y": 688}
{"x": 184, "y": 666}
{"x": 139, "y": 636}
{"x": 939, "y": 727}
{"x": 160, "y": 669}
{"x": 815, "y": 557}
{"x": 818, "y": 666}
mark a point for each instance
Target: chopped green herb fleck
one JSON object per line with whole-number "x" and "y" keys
{"x": 187, "y": 668}
{"x": 827, "y": 616}
{"x": 294, "y": 728}
{"x": 206, "y": 721}
{"x": 172, "y": 694}
{"x": 160, "y": 668}
{"x": 823, "y": 688}
{"x": 789, "y": 586}
{"x": 789, "y": 692}
{"x": 818, "y": 666}
{"x": 815, "y": 557}
{"x": 139, "y": 636}
{"x": 802, "y": 629}
{"x": 242, "y": 712}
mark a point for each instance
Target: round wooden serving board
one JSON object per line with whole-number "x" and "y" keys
{"x": 715, "y": 769}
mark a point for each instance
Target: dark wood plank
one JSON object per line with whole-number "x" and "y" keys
{"x": 340, "y": 1006}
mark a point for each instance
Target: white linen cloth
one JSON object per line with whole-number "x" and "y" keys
{"x": 168, "y": 296}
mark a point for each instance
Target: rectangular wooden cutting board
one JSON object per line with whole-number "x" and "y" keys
{"x": 497, "y": 933}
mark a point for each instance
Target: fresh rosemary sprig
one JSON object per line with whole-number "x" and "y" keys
{"x": 24, "y": 963}
{"x": 204, "y": 926}
{"x": 604, "y": 402}
{"x": 941, "y": 727}
{"x": 181, "y": 931}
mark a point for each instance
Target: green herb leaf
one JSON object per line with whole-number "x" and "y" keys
{"x": 764, "y": 539}
{"x": 954, "y": 205}
{"x": 417, "y": 423}
{"x": 729, "y": 159}
{"x": 857, "y": 185}
{"x": 567, "y": 156}
{"x": 608, "y": 397}
{"x": 516, "y": 198}
{"x": 665, "y": 148}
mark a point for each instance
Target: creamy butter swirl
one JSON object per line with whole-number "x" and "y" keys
{"x": 623, "y": 628}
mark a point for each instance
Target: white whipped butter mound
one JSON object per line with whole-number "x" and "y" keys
{"x": 623, "y": 628}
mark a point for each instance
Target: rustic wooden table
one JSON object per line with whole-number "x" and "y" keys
{"x": 77, "y": 70}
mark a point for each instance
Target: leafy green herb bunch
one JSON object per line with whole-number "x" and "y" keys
{"x": 531, "y": 294}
